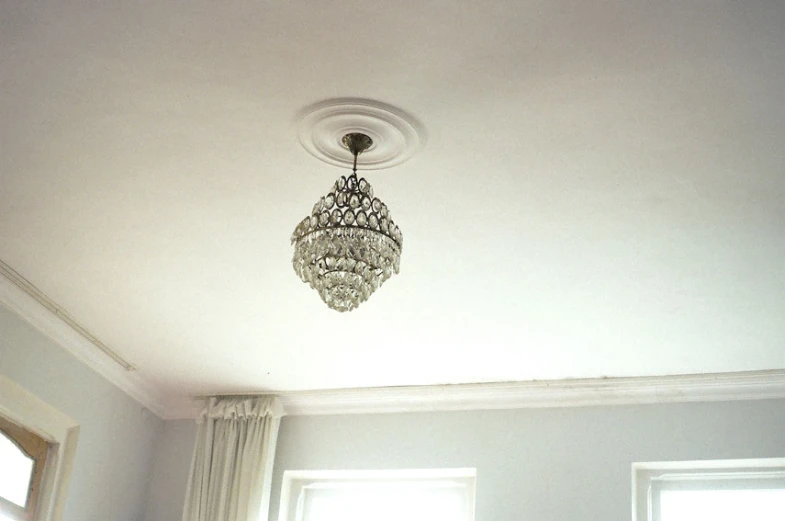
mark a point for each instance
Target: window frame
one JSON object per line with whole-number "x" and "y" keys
{"x": 61, "y": 432}
{"x": 35, "y": 448}
{"x": 295, "y": 482}
{"x": 649, "y": 480}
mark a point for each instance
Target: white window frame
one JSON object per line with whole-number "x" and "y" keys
{"x": 28, "y": 411}
{"x": 295, "y": 482}
{"x": 650, "y": 479}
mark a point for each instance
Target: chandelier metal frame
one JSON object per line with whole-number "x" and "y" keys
{"x": 349, "y": 245}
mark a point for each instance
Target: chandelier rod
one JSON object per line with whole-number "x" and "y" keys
{"x": 357, "y": 143}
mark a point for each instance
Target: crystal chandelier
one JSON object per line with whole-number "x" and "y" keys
{"x": 349, "y": 245}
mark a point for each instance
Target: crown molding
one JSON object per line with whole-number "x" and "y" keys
{"x": 22, "y": 302}
{"x": 754, "y": 385}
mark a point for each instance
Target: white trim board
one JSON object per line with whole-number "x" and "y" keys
{"x": 751, "y": 385}
{"x": 20, "y": 301}
{"x": 755, "y": 385}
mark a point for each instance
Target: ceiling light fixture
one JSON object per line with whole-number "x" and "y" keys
{"x": 349, "y": 245}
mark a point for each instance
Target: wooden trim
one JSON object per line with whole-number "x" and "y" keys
{"x": 62, "y": 432}
{"x": 36, "y": 448}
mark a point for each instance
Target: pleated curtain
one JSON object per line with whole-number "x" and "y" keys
{"x": 231, "y": 469}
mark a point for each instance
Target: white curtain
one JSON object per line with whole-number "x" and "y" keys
{"x": 231, "y": 469}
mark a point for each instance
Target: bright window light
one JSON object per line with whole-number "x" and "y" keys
{"x": 16, "y": 472}
{"x": 395, "y": 495}
{"x": 714, "y": 490}
{"x": 723, "y": 505}
{"x": 391, "y": 501}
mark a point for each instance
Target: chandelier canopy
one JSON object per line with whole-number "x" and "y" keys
{"x": 349, "y": 245}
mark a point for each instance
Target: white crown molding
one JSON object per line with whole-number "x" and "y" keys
{"x": 39, "y": 316}
{"x": 755, "y": 385}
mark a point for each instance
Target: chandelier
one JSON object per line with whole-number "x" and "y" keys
{"x": 349, "y": 245}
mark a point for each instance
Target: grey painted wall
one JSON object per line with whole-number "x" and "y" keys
{"x": 117, "y": 435}
{"x": 544, "y": 465}
{"x": 170, "y": 471}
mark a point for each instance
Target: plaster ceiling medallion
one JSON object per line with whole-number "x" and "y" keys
{"x": 349, "y": 245}
{"x": 396, "y": 136}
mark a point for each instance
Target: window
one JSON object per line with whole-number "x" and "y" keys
{"x": 23, "y": 457}
{"x": 753, "y": 490}
{"x": 50, "y": 479}
{"x": 413, "y": 495}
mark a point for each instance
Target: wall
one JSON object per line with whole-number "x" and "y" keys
{"x": 117, "y": 435}
{"x": 170, "y": 471}
{"x": 542, "y": 464}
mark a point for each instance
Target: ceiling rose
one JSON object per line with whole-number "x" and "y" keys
{"x": 349, "y": 245}
{"x": 396, "y": 135}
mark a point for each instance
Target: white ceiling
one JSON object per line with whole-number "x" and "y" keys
{"x": 602, "y": 193}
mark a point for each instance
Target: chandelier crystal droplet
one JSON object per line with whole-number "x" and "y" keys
{"x": 349, "y": 245}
